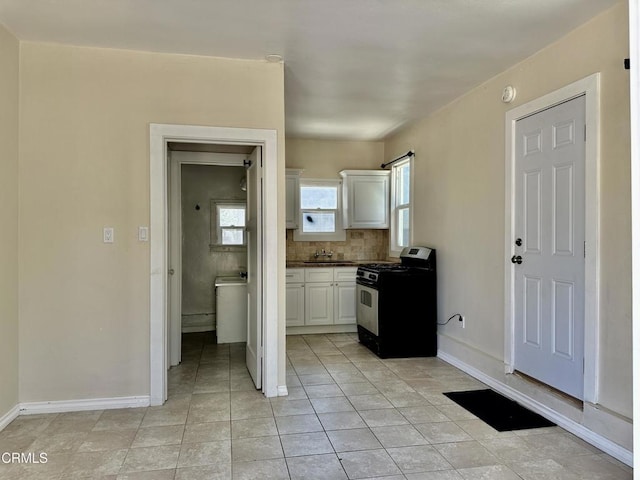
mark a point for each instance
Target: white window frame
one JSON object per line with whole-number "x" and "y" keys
{"x": 216, "y": 237}
{"x": 340, "y": 234}
{"x": 394, "y": 248}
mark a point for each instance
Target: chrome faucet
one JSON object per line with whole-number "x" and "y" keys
{"x": 323, "y": 253}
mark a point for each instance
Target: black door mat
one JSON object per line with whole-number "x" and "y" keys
{"x": 498, "y": 411}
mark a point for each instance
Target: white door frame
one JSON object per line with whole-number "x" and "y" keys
{"x": 176, "y": 160}
{"x": 634, "y": 49}
{"x": 589, "y": 86}
{"x": 160, "y": 135}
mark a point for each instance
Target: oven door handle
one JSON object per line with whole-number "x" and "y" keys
{"x": 366, "y": 283}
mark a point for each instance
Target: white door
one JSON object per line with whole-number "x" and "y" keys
{"x": 549, "y": 247}
{"x": 174, "y": 279}
{"x": 254, "y": 267}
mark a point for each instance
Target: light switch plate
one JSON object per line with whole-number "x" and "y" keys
{"x": 143, "y": 234}
{"x": 107, "y": 234}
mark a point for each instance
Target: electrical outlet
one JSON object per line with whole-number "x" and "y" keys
{"x": 462, "y": 320}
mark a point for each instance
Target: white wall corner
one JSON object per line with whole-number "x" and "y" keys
{"x": 9, "y": 417}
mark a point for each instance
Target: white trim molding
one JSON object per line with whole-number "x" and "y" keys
{"x": 9, "y": 417}
{"x": 590, "y": 87}
{"x": 61, "y": 406}
{"x": 273, "y": 266}
{"x": 634, "y": 105}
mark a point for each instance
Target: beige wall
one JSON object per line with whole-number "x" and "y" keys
{"x": 84, "y": 164}
{"x": 459, "y": 207}
{"x": 9, "y": 78}
{"x": 325, "y": 158}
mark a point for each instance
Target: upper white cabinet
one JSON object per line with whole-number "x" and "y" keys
{"x": 365, "y": 197}
{"x": 292, "y": 196}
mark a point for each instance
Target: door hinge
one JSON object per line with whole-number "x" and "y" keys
{"x": 247, "y": 163}
{"x": 585, "y": 132}
{"x": 584, "y": 249}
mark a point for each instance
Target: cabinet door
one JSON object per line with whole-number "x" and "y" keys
{"x": 292, "y": 201}
{"x": 368, "y": 201}
{"x": 318, "y": 303}
{"x": 295, "y": 305}
{"x": 345, "y": 302}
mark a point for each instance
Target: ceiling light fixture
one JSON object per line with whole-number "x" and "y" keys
{"x": 273, "y": 58}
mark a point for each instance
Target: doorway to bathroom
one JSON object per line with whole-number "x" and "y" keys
{"x": 262, "y": 347}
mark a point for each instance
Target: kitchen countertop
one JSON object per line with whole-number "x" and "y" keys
{"x": 332, "y": 263}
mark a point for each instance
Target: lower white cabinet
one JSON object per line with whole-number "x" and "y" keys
{"x": 344, "y": 302}
{"x": 295, "y": 305}
{"x": 327, "y": 296}
{"x": 295, "y": 297}
{"x": 318, "y": 303}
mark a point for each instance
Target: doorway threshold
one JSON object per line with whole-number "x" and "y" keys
{"x": 565, "y": 397}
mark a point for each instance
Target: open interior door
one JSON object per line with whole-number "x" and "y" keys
{"x": 174, "y": 275}
{"x": 254, "y": 266}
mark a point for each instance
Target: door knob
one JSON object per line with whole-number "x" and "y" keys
{"x": 171, "y": 271}
{"x": 518, "y": 242}
{"x": 516, "y": 259}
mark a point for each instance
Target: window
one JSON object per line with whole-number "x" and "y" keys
{"x": 230, "y": 223}
{"x": 320, "y": 211}
{"x": 400, "y": 206}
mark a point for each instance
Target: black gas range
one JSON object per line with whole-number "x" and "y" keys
{"x": 397, "y": 305}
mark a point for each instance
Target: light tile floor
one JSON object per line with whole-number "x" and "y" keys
{"x": 348, "y": 415}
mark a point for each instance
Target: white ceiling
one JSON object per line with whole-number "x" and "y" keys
{"x": 354, "y": 69}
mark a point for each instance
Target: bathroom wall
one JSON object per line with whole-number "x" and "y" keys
{"x": 202, "y": 262}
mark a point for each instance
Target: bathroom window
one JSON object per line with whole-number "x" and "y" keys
{"x": 230, "y": 223}
{"x": 320, "y": 211}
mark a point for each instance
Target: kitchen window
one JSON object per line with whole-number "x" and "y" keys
{"x": 400, "y": 232}
{"x": 230, "y": 223}
{"x": 320, "y": 207}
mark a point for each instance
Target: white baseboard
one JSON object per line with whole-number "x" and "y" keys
{"x": 9, "y": 417}
{"x": 61, "y": 406}
{"x": 595, "y": 439}
{"x": 313, "y": 329}
{"x": 194, "y": 323}
{"x": 202, "y": 328}
{"x": 282, "y": 391}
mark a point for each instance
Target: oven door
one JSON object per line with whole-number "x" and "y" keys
{"x": 367, "y": 308}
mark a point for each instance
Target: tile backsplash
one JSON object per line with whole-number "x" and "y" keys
{"x": 359, "y": 245}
